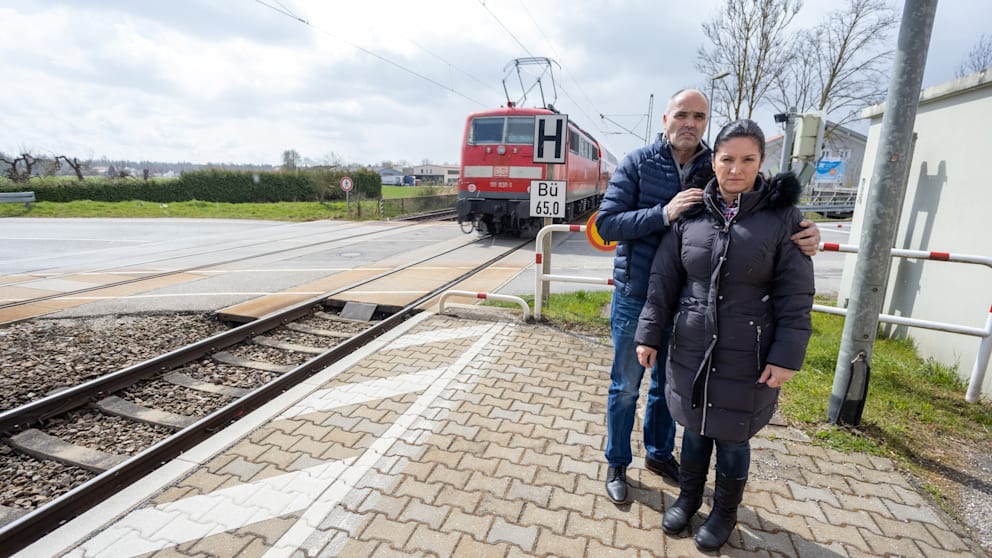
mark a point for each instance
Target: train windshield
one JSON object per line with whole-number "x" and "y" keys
{"x": 499, "y": 129}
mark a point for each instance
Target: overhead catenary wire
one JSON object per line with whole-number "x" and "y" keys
{"x": 282, "y": 10}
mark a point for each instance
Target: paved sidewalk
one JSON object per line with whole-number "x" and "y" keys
{"x": 471, "y": 437}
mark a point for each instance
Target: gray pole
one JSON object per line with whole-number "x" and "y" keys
{"x": 881, "y": 220}
{"x": 790, "y": 122}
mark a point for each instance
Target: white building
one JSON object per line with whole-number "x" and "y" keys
{"x": 942, "y": 211}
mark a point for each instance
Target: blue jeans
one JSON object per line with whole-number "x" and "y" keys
{"x": 625, "y": 386}
{"x": 733, "y": 459}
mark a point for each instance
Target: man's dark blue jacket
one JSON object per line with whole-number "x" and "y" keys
{"x": 633, "y": 211}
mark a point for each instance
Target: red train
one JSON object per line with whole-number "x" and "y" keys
{"x": 497, "y": 169}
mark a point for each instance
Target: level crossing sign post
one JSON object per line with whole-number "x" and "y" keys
{"x": 347, "y": 184}
{"x": 548, "y": 197}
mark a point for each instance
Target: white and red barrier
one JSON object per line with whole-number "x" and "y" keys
{"x": 493, "y": 296}
{"x": 984, "y": 348}
{"x": 542, "y": 279}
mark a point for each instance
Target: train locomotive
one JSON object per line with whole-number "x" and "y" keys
{"x": 497, "y": 169}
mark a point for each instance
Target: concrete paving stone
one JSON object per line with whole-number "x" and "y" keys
{"x": 394, "y": 533}
{"x": 812, "y": 493}
{"x": 543, "y": 517}
{"x": 810, "y": 549}
{"x": 581, "y": 467}
{"x": 508, "y": 510}
{"x": 931, "y": 552}
{"x": 467, "y": 546}
{"x": 512, "y": 533}
{"x": 850, "y": 535}
{"x": 757, "y": 499}
{"x": 470, "y": 524}
{"x": 772, "y": 522}
{"x": 204, "y": 481}
{"x": 570, "y": 501}
{"x": 872, "y": 505}
{"x": 529, "y": 492}
{"x": 917, "y": 513}
{"x": 773, "y": 543}
{"x": 512, "y": 470}
{"x": 877, "y": 488}
{"x": 244, "y": 470}
{"x": 530, "y": 457}
{"x": 424, "y": 491}
{"x": 910, "y": 496}
{"x": 580, "y": 525}
{"x": 850, "y": 517}
{"x": 460, "y": 499}
{"x": 403, "y": 449}
{"x": 553, "y": 544}
{"x": 478, "y": 463}
{"x": 484, "y": 422}
{"x": 430, "y": 515}
{"x": 433, "y": 542}
{"x": 174, "y": 493}
{"x": 948, "y": 539}
{"x": 905, "y": 529}
{"x": 810, "y": 509}
{"x": 632, "y": 537}
{"x": 222, "y": 545}
{"x": 350, "y": 547}
{"x": 553, "y": 478}
{"x": 890, "y": 545}
{"x": 378, "y": 481}
{"x": 837, "y": 484}
{"x": 776, "y": 488}
{"x": 420, "y": 469}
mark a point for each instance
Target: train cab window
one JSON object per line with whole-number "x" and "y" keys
{"x": 520, "y": 129}
{"x": 487, "y": 130}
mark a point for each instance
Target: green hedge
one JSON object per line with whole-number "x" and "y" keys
{"x": 208, "y": 185}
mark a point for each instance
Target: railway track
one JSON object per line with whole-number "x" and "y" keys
{"x": 113, "y": 430}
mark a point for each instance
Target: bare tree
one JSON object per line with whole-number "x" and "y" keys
{"x": 838, "y": 66}
{"x": 290, "y": 160}
{"x": 978, "y": 59}
{"x": 20, "y": 168}
{"x": 749, "y": 41}
{"x": 76, "y": 165}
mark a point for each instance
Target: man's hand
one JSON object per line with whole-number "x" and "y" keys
{"x": 684, "y": 200}
{"x": 808, "y": 239}
{"x": 646, "y": 355}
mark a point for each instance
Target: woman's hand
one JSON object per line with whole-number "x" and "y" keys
{"x": 773, "y": 376}
{"x": 646, "y": 355}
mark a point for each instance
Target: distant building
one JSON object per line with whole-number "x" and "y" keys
{"x": 437, "y": 174}
{"x": 841, "y": 158}
{"x": 390, "y": 176}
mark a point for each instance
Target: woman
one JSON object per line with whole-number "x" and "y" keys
{"x": 741, "y": 294}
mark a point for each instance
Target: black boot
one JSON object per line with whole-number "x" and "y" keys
{"x": 720, "y": 524}
{"x": 692, "y": 481}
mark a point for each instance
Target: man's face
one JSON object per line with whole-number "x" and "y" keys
{"x": 685, "y": 120}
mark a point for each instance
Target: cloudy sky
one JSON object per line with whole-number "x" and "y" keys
{"x": 241, "y": 81}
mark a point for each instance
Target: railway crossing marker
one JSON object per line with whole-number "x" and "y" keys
{"x": 592, "y": 234}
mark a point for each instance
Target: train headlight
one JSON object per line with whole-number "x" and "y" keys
{"x": 471, "y": 187}
{"x": 501, "y": 150}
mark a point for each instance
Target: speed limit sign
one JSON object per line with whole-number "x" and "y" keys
{"x": 347, "y": 184}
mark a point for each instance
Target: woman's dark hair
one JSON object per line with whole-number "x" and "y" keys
{"x": 742, "y": 128}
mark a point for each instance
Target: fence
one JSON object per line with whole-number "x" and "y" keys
{"x": 542, "y": 280}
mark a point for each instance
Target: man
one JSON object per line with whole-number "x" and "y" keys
{"x": 649, "y": 190}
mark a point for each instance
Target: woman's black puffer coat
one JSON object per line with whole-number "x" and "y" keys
{"x": 741, "y": 293}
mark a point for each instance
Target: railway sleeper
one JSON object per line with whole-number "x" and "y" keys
{"x": 9, "y": 514}
{"x": 303, "y": 328}
{"x": 228, "y": 358}
{"x": 37, "y": 444}
{"x": 114, "y": 405}
{"x": 186, "y": 381}
{"x": 276, "y": 344}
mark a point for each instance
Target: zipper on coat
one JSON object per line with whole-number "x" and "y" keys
{"x": 757, "y": 353}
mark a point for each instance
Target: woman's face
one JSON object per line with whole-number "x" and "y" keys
{"x": 736, "y": 164}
